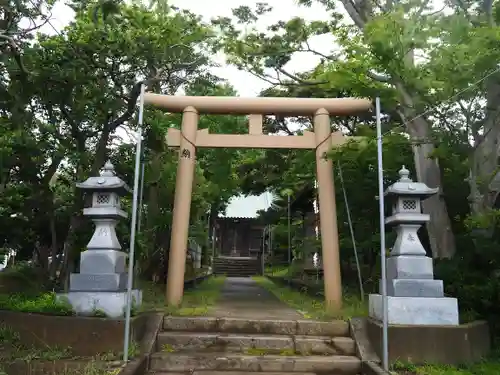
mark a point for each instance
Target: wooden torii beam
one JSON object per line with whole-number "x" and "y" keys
{"x": 254, "y": 139}
{"x": 321, "y": 140}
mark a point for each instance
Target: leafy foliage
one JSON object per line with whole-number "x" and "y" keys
{"x": 68, "y": 103}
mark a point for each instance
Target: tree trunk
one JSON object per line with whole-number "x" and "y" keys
{"x": 67, "y": 258}
{"x": 441, "y": 237}
{"x": 484, "y": 163}
{"x": 54, "y": 264}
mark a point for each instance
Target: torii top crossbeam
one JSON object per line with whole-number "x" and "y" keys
{"x": 259, "y": 106}
{"x": 256, "y": 108}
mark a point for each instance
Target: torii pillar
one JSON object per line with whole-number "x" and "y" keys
{"x": 322, "y": 140}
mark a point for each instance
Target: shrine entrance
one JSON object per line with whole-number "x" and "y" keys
{"x": 188, "y": 138}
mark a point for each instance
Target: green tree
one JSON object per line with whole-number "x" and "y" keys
{"x": 388, "y": 36}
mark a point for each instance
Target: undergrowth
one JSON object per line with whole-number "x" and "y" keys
{"x": 313, "y": 307}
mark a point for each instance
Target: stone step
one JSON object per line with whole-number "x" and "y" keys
{"x": 265, "y": 344}
{"x": 236, "y": 266}
{"x": 181, "y": 362}
{"x": 235, "y": 274}
{"x": 236, "y": 269}
{"x": 228, "y": 373}
{"x": 240, "y": 261}
{"x": 334, "y": 328}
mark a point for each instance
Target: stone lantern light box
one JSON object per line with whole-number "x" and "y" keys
{"x": 414, "y": 296}
{"x": 101, "y": 283}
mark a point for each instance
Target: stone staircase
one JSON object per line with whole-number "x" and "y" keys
{"x": 237, "y": 266}
{"x": 230, "y": 346}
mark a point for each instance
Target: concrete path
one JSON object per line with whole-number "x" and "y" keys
{"x": 242, "y": 297}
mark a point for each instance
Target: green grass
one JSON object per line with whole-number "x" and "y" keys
{"x": 13, "y": 350}
{"x": 313, "y": 307}
{"x": 196, "y": 302}
{"x": 90, "y": 369}
{"x": 283, "y": 271}
{"x": 489, "y": 366}
{"x": 46, "y": 303}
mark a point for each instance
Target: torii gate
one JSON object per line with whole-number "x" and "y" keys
{"x": 322, "y": 140}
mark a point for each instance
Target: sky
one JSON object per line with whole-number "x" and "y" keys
{"x": 246, "y": 84}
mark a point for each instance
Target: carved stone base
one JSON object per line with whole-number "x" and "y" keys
{"x": 102, "y": 261}
{"x": 107, "y": 282}
{"x": 415, "y": 310}
{"x": 111, "y": 303}
{"x": 414, "y": 288}
{"x": 409, "y": 267}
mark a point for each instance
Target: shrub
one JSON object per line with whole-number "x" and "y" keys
{"x": 46, "y": 303}
{"x": 472, "y": 276}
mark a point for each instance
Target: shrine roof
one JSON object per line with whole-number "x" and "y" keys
{"x": 248, "y": 207}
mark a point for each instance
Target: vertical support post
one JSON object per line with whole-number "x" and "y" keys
{"x": 255, "y": 124}
{"x": 289, "y": 238}
{"x": 182, "y": 207}
{"x": 385, "y": 350}
{"x": 213, "y": 246}
{"x": 133, "y": 227}
{"x": 327, "y": 212}
{"x": 263, "y": 243}
{"x": 139, "y": 217}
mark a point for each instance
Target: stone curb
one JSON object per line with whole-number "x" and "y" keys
{"x": 337, "y": 328}
{"x": 270, "y": 363}
{"x": 139, "y": 365}
{"x": 240, "y": 343}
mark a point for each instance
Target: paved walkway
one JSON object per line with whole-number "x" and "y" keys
{"x": 242, "y": 297}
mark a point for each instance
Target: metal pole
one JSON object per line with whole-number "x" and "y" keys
{"x": 289, "y": 239}
{"x": 213, "y": 247}
{"x": 207, "y": 242}
{"x": 271, "y": 253}
{"x": 360, "y": 279}
{"x": 385, "y": 350}
{"x": 133, "y": 227}
{"x": 263, "y": 251}
{"x": 139, "y": 219}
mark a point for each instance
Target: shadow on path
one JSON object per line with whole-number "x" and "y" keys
{"x": 242, "y": 297}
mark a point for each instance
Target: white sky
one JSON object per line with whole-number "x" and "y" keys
{"x": 245, "y": 83}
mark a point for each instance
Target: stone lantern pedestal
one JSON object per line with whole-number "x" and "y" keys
{"x": 414, "y": 296}
{"x": 101, "y": 284}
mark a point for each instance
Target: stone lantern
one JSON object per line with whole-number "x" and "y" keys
{"x": 102, "y": 282}
{"x": 414, "y": 296}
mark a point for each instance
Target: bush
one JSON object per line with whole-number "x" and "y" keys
{"x": 22, "y": 279}
{"x": 472, "y": 276}
{"x": 46, "y": 303}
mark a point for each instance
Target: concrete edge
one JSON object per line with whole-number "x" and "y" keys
{"x": 454, "y": 345}
{"x": 359, "y": 333}
{"x": 192, "y": 283}
{"x": 139, "y": 365}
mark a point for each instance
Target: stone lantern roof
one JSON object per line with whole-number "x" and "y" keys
{"x": 106, "y": 181}
{"x": 405, "y": 186}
